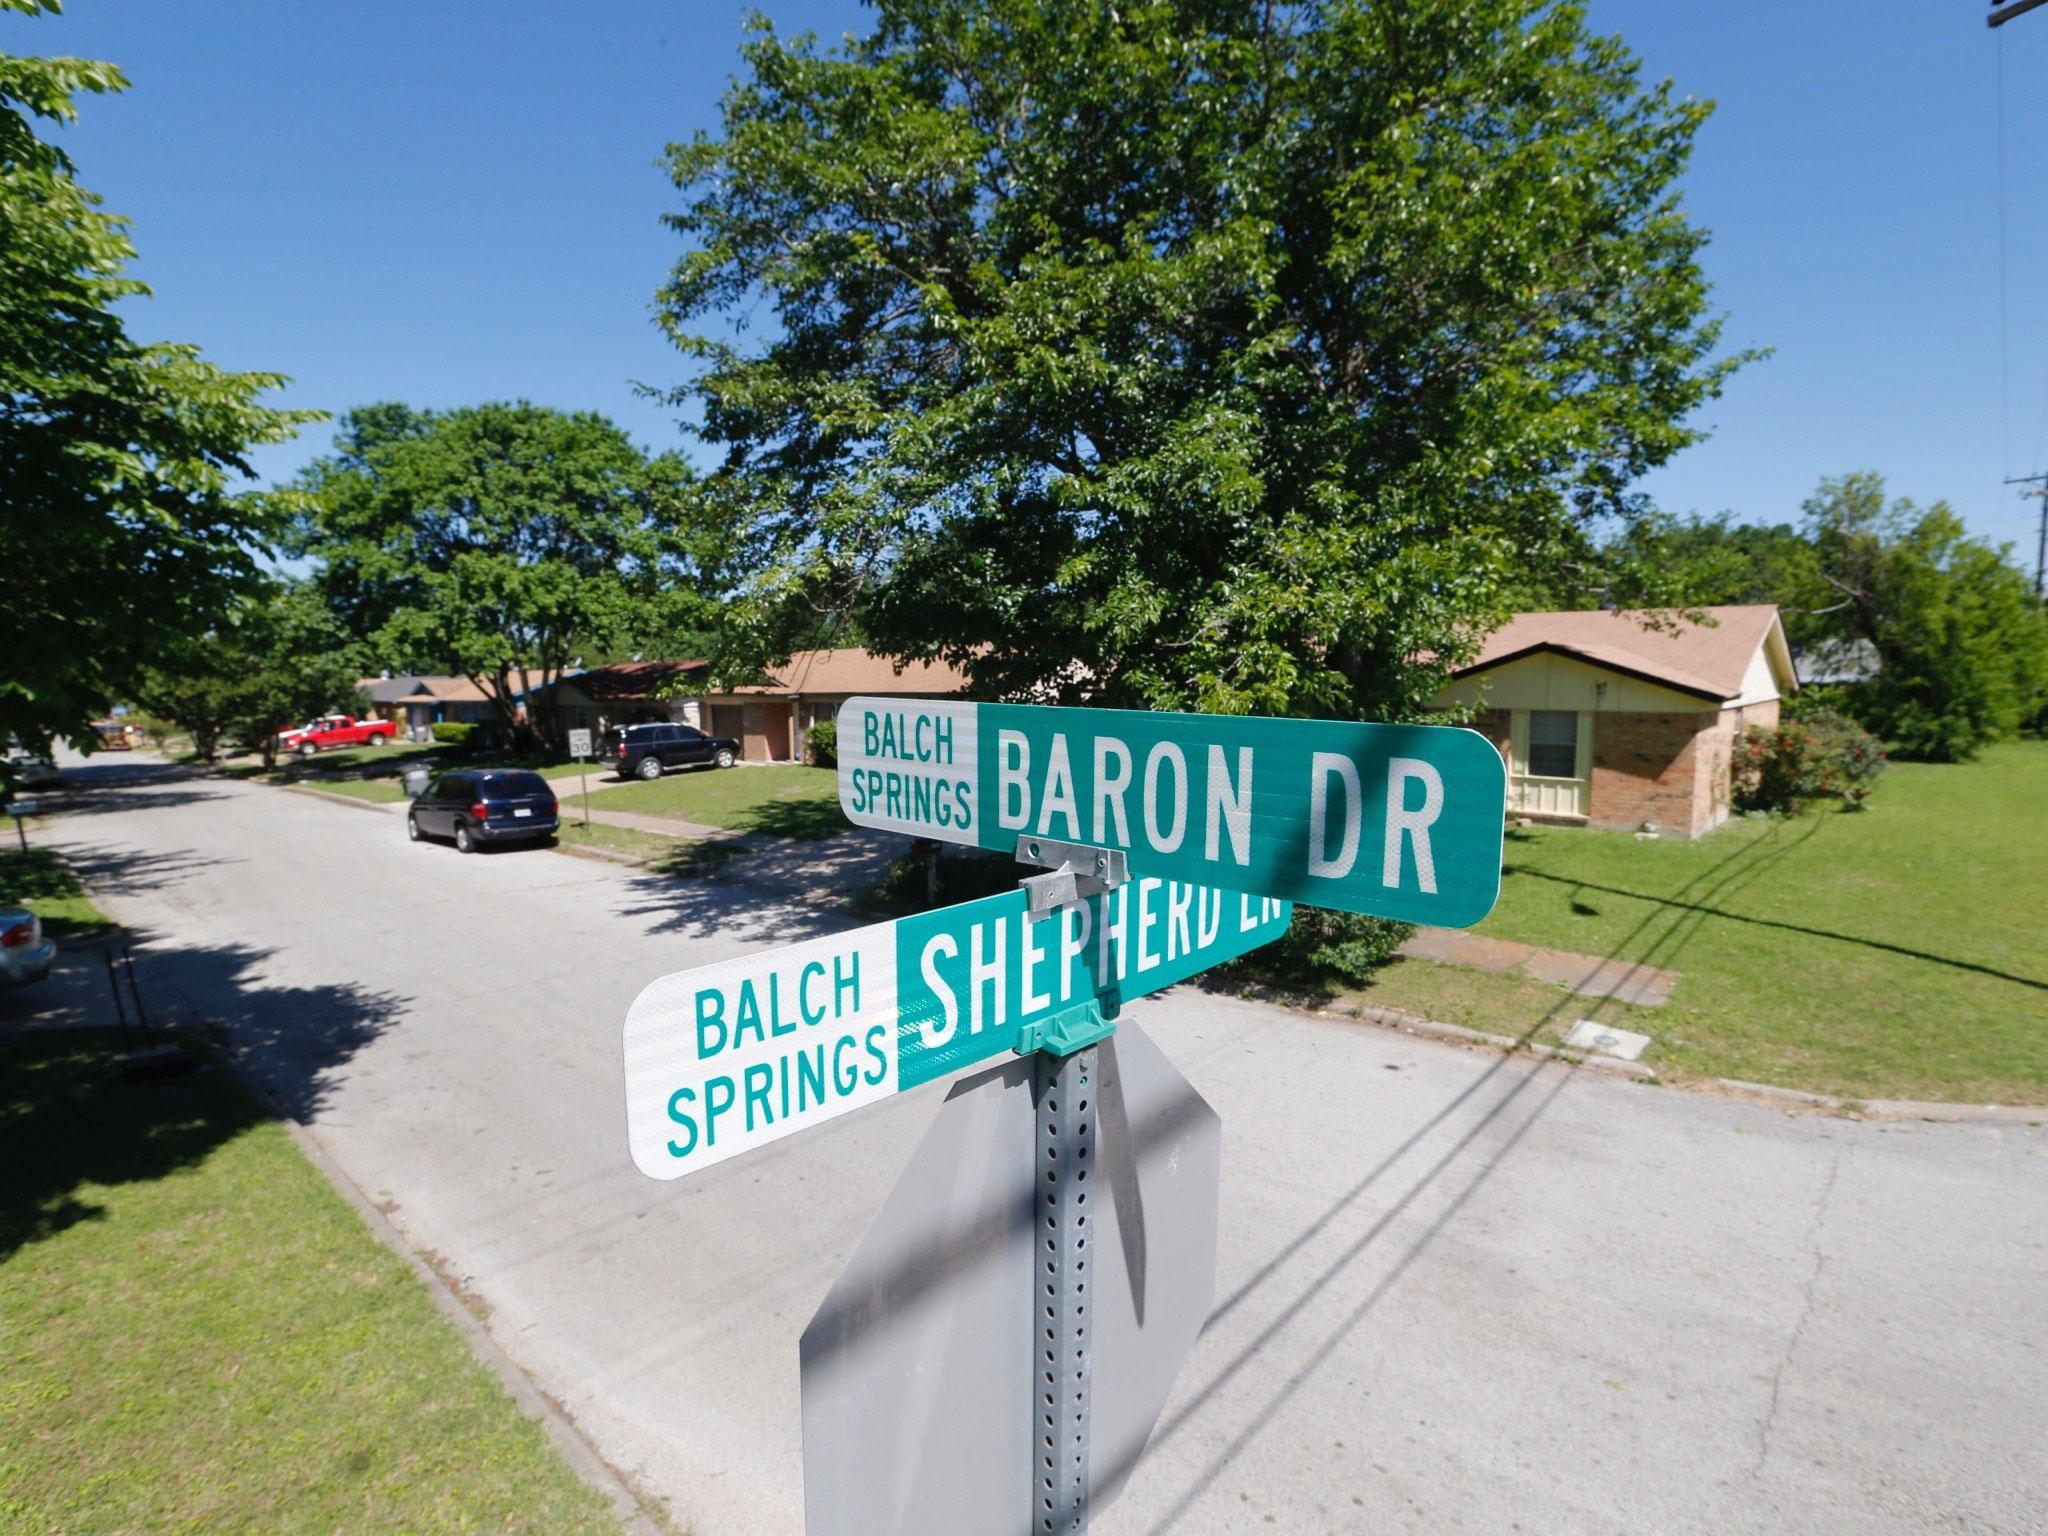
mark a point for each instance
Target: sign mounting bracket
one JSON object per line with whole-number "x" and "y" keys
{"x": 1075, "y": 872}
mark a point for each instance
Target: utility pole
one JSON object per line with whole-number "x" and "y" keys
{"x": 2041, "y": 495}
{"x": 2003, "y": 11}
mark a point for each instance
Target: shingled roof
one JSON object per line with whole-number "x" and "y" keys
{"x": 850, "y": 669}
{"x": 1706, "y": 660}
{"x": 630, "y": 680}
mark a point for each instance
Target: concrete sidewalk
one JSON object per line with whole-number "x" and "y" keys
{"x": 1588, "y": 975}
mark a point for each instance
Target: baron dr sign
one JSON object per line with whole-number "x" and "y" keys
{"x": 1403, "y": 821}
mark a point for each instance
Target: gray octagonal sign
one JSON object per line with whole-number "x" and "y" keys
{"x": 918, "y": 1370}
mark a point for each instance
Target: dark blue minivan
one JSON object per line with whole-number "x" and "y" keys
{"x": 485, "y": 805}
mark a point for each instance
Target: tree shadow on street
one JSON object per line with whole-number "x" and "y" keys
{"x": 1487, "y": 1119}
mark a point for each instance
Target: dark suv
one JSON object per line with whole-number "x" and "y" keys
{"x": 485, "y": 805}
{"x": 643, "y": 751}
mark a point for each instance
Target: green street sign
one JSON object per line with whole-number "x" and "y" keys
{"x": 730, "y": 1056}
{"x": 1402, "y": 821}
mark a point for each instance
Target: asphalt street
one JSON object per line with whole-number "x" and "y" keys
{"x": 1456, "y": 1292}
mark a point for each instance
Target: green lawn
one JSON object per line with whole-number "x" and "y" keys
{"x": 1899, "y": 951}
{"x": 40, "y": 881}
{"x": 379, "y": 791}
{"x": 784, "y": 799}
{"x": 201, "y": 1335}
{"x": 600, "y": 773}
{"x": 665, "y": 854}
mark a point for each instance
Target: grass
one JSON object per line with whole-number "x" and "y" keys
{"x": 667, "y": 855}
{"x": 43, "y": 883}
{"x": 379, "y": 791}
{"x": 599, "y": 772}
{"x": 1891, "y": 952}
{"x": 203, "y": 1337}
{"x": 784, "y": 800}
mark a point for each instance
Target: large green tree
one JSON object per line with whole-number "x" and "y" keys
{"x": 1962, "y": 645}
{"x": 124, "y": 536}
{"x": 502, "y": 542}
{"x": 277, "y": 659}
{"x": 1233, "y": 355}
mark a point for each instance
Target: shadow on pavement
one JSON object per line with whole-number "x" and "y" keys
{"x": 120, "y": 871}
{"x": 704, "y": 904}
{"x": 1482, "y": 1145}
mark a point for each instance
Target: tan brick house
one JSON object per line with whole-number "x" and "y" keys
{"x": 1607, "y": 722}
{"x": 770, "y": 719}
{"x": 773, "y": 719}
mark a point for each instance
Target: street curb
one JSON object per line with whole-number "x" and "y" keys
{"x": 562, "y": 1433}
{"x": 331, "y": 797}
{"x": 1416, "y": 1024}
{"x": 1787, "y": 1098}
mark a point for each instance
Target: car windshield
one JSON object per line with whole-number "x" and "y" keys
{"x": 514, "y": 782}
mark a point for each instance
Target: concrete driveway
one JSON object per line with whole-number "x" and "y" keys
{"x": 1456, "y": 1292}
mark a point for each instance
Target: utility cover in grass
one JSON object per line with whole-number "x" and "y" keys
{"x": 1587, "y": 1035}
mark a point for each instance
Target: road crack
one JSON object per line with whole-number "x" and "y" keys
{"x": 1784, "y": 1361}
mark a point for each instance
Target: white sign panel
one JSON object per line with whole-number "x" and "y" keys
{"x": 579, "y": 743}
{"x": 731, "y": 1056}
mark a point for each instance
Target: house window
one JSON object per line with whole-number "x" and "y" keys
{"x": 1553, "y": 743}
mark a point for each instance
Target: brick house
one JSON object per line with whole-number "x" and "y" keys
{"x": 1605, "y": 722}
{"x": 773, "y": 718}
{"x": 418, "y": 703}
{"x": 769, "y": 719}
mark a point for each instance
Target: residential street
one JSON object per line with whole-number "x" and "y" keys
{"x": 1455, "y": 1292}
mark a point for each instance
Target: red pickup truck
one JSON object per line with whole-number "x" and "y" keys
{"x": 331, "y": 731}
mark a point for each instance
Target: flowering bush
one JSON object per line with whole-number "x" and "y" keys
{"x": 1823, "y": 755}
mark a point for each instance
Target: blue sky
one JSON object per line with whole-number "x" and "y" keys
{"x": 447, "y": 203}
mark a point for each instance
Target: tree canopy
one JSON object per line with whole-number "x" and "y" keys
{"x": 123, "y": 537}
{"x": 1961, "y": 642}
{"x": 498, "y": 541}
{"x": 1225, "y": 355}
{"x": 278, "y": 658}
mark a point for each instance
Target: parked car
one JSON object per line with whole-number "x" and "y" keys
{"x": 332, "y": 731}
{"x": 34, "y": 773}
{"x": 644, "y": 751}
{"x": 25, "y": 955}
{"x": 485, "y": 805}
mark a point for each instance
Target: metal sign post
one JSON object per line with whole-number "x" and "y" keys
{"x": 579, "y": 748}
{"x": 21, "y": 810}
{"x": 1066, "y": 1143}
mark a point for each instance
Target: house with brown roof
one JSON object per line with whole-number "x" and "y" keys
{"x": 1614, "y": 719}
{"x": 419, "y": 702}
{"x": 770, "y": 719}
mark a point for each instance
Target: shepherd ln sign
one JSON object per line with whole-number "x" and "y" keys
{"x": 1403, "y": 821}
{"x": 727, "y": 1057}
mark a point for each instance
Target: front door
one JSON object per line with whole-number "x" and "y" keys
{"x": 775, "y": 729}
{"x": 1550, "y": 771}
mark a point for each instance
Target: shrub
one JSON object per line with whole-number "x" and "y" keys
{"x": 963, "y": 875}
{"x": 455, "y": 733}
{"x": 1325, "y": 948}
{"x": 824, "y": 743}
{"x": 1851, "y": 757}
{"x": 1823, "y": 755}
